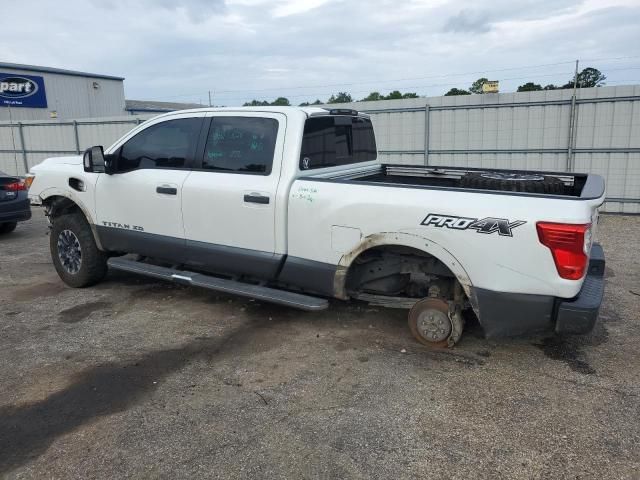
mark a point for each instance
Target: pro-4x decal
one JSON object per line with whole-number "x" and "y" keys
{"x": 485, "y": 225}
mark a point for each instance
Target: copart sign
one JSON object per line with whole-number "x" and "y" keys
{"x": 17, "y": 90}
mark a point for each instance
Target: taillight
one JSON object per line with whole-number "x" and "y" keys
{"x": 15, "y": 186}
{"x": 569, "y": 245}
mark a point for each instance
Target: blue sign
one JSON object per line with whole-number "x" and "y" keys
{"x": 18, "y": 90}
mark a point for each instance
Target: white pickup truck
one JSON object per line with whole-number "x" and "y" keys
{"x": 290, "y": 205}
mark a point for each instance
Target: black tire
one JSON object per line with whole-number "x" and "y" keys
{"x": 513, "y": 182}
{"x": 72, "y": 233}
{"x": 8, "y": 227}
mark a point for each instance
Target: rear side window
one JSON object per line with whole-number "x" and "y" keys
{"x": 241, "y": 145}
{"x": 337, "y": 140}
{"x": 164, "y": 145}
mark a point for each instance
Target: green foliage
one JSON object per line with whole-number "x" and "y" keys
{"x": 373, "y": 97}
{"x": 281, "y": 101}
{"x": 307, "y": 104}
{"x": 476, "y": 87}
{"x": 551, "y": 86}
{"x": 588, "y": 78}
{"x": 456, "y": 91}
{"x": 395, "y": 95}
{"x": 256, "y": 103}
{"x": 340, "y": 97}
{"x": 529, "y": 87}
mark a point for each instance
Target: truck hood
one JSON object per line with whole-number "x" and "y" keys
{"x": 70, "y": 160}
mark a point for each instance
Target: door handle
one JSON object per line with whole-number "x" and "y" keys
{"x": 167, "y": 190}
{"x": 256, "y": 198}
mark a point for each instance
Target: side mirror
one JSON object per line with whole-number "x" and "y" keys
{"x": 93, "y": 160}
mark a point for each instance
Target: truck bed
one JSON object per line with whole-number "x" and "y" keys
{"x": 576, "y": 185}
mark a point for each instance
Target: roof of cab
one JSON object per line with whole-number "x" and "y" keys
{"x": 308, "y": 111}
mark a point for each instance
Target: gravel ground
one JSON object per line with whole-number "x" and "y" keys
{"x": 137, "y": 378}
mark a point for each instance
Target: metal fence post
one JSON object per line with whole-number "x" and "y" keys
{"x": 572, "y": 127}
{"x": 426, "y": 134}
{"x": 77, "y": 138}
{"x": 24, "y": 148}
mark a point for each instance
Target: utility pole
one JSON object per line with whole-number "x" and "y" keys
{"x": 210, "y": 98}
{"x": 572, "y": 121}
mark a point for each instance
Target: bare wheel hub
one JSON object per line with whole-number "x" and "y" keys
{"x": 434, "y": 325}
{"x": 69, "y": 251}
{"x": 435, "y": 322}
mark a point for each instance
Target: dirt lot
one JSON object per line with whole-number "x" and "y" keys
{"x": 137, "y": 378}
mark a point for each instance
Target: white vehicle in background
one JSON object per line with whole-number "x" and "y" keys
{"x": 290, "y": 205}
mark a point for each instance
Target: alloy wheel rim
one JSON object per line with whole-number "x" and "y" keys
{"x": 69, "y": 251}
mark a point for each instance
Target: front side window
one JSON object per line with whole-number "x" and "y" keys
{"x": 241, "y": 145}
{"x": 164, "y": 145}
{"x": 329, "y": 141}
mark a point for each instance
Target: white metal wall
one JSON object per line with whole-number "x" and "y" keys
{"x": 55, "y": 138}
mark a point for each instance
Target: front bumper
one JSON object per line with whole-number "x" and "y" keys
{"x": 15, "y": 210}
{"x": 579, "y": 314}
{"x": 503, "y": 314}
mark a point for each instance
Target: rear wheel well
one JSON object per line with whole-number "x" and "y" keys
{"x": 400, "y": 271}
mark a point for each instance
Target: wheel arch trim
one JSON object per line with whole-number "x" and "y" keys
{"x": 57, "y": 192}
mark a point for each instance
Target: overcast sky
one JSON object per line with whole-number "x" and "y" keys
{"x": 243, "y": 49}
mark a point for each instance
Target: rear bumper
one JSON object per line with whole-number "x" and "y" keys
{"x": 15, "y": 210}
{"x": 509, "y": 314}
{"x": 579, "y": 314}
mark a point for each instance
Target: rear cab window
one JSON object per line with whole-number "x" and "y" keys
{"x": 336, "y": 140}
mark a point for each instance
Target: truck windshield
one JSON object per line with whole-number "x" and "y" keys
{"x": 329, "y": 141}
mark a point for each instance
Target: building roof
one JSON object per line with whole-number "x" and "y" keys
{"x": 153, "y": 106}
{"x": 60, "y": 71}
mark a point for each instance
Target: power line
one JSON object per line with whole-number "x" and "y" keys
{"x": 248, "y": 92}
{"x": 378, "y": 81}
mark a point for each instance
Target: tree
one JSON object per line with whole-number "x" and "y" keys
{"x": 281, "y": 101}
{"x": 529, "y": 87}
{"x": 410, "y": 95}
{"x": 551, "y": 86}
{"x": 256, "y": 103}
{"x": 476, "y": 87}
{"x": 590, "y": 77}
{"x": 341, "y": 97}
{"x": 456, "y": 91}
{"x": 373, "y": 97}
{"x": 395, "y": 95}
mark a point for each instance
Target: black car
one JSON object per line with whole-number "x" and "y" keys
{"x": 14, "y": 202}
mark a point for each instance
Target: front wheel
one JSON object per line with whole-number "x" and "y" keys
{"x": 74, "y": 252}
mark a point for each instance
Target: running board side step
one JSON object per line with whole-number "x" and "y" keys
{"x": 272, "y": 295}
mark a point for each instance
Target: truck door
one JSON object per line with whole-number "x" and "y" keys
{"x": 229, "y": 202}
{"x": 138, "y": 208}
